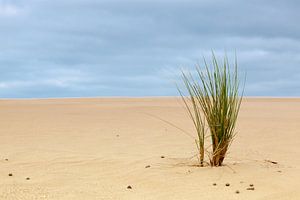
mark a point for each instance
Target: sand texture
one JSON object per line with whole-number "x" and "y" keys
{"x": 95, "y": 148}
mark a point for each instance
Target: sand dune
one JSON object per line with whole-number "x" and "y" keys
{"x": 95, "y": 148}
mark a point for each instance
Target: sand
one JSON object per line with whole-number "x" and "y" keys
{"x": 95, "y": 148}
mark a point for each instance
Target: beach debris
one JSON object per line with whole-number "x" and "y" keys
{"x": 273, "y": 162}
{"x": 250, "y": 188}
{"x": 214, "y": 184}
{"x": 162, "y": 157}
{"x": 10, "y": 174}
{"x": 227, "y": 184}
{"x": 129, "y": 187}
{"x": 147, "y": 166}
{"x": 27, "y": 178}
{"x": 237, "y": 191}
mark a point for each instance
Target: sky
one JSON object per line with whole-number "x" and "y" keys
{"x": 88, "y": 48}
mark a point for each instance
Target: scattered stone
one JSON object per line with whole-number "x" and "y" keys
{"x": 251, "y": 185}
{"x": 129, "y": 187}
{"x": 237, "y": 191}
{"x": 147, "y": 166}
{"x": 27, "y": 178}
{"x": 273, "y": 162}
{"x": 227, "y": 184}
{"x": 10, "y": 174}
{"x": 250, "y": 188}
{"x": 162, "y": 157}
{"x": 6, "y": 159}
{"x": 214, "y": 184}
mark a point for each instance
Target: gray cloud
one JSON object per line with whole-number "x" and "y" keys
{"x": 135, "y": 48}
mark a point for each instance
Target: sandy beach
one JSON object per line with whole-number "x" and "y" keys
{"x": 95, "y": 148}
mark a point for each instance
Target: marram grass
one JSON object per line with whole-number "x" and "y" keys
{"x": 213, "y": 99}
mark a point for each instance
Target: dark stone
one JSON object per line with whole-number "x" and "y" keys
{"x": 250, "y": 188}
{"x": 129, "y": 187}
{"x": 237, "y": 192}
{"x": 147, "y": 166}
{"x": 162, "y": 157}
{"x": 227, "y": 184}
{"x": 10, "y": 174}
{"x": 214, "y": 184}
{"x": 27, "y": 178}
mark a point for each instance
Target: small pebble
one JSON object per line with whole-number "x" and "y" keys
{"x": 6, "y": 159}
{"x": 147, "y": 166}
{"x": 237, "y": 192}
{"x": 129, "y": 187}
{"x": 279, "y": 171}
{"x": 27, "y": 178}
{"x": 241, "y": 181}
{"x": 251, "y": 185}
{"x": 10, "y": 174}
{"x": 214, "y": 184}
{"x": 250, "y": 188}
{"x": 117, "y": 135}
{"x": 162, "y": 157}
{"x": 227, "y": 184}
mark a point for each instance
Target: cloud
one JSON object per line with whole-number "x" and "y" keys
{"x": 7, "y": 10}
{"x": 113, "y": 48}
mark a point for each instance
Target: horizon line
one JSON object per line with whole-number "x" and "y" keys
{"x": 131, "y": 97}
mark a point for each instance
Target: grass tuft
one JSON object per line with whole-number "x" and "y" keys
{"x": 213, "y": 99}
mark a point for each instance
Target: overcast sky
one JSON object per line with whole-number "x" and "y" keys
{"x": 74, "y": 48}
